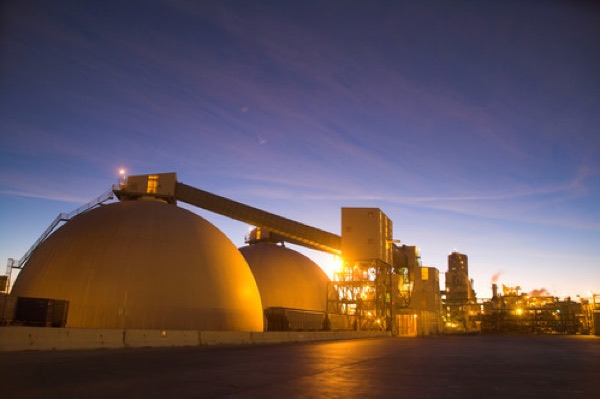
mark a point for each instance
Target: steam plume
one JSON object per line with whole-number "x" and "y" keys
{"x": 540, "y": 292}
{"x": 495, "y": 277}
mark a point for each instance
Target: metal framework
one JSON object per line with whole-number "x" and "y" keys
{"x": 363, "y": 291}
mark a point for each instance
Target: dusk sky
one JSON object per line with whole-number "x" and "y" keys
{"x": 474, "y": 125}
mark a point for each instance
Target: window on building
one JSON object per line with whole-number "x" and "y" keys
{"x": 152, "y": 184}
{"x": 424, "y": 274}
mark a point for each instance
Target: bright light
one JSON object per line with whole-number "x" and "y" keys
{"x": 519, "y": 312}
{"x": 122, "y": 177}
{"x": 333, "y": 265}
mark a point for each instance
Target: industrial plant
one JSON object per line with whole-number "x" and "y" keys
{"x": 145, "y": 263}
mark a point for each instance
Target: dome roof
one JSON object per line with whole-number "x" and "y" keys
{"x": 286, "y": 278}
{"x": 144, "y": 264}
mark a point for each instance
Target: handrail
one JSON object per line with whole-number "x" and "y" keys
{"x": 62, "y": 217}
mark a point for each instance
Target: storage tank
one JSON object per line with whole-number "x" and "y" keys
{"x": 144, "y": 264}
{"x": 286, "y": 278}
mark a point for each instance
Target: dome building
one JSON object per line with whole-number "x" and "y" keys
{"x": 286, "y": 278}
{"x": 144, "y": 264}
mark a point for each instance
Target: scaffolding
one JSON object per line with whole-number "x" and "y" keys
{"x": 363, "y": 292}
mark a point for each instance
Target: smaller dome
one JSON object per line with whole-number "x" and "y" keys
{"x": 286, "y": 278}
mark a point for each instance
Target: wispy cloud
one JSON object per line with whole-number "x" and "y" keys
{"x": 46, "y": 195}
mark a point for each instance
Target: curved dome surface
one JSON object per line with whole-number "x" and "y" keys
{"x": 286, "y": 278}
{"x": 144, "y": 264}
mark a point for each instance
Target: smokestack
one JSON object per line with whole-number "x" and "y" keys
{"x": 494, "y": 291}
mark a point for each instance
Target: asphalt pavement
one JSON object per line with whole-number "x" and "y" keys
{"x": 434, "y": 367}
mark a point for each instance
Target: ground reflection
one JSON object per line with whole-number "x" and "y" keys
{"x": 339, "y": 369}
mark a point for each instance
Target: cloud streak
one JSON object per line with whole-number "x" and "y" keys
{"x": 45, "y": 195}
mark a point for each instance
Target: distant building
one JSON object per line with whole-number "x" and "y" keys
{"x": 426, "y": 299}
{"x": 460, "y": 301}
{"x": 422, "y": 297}
{"x": 514, "y": 312}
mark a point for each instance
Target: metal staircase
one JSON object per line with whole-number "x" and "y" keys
{"x": 61, "y": 218}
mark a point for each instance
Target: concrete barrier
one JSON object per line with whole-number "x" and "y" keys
{"x": 225, "y": 338}
{"x": 40, "y": 338}
{"x": 273, "y": 337}
{"x": 158, "y": 338}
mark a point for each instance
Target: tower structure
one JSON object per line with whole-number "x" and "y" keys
{"x": 362, "y": 290}
{"x": 460, "y": 296}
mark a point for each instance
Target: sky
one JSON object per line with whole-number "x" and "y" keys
{"x": 474, "y": 126}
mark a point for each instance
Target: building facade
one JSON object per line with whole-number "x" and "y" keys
{"x": 460, "y": 301}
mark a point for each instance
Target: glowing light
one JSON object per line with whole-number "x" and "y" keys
{"x": 333, "y": 265}
{"x": 122, "y": 176}
{"x": 519, "y": 311}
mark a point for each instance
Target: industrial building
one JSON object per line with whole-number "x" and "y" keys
{"x": 460, "y": 300}
{"x": 515, "y": 312}
{"x": 145, "y": 263}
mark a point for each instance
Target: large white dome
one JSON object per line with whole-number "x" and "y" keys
{"x": 286, "y": 278}
{"x": 144, "y": 264}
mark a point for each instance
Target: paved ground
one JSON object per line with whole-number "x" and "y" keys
{"x": 439, "y": 367}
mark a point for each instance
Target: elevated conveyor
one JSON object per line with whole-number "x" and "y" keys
{"x": 287, "y": 229}
{"x": 165, "y": 187}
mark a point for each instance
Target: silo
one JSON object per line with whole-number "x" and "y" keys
{"x": 144, "y": 264}
{"x": 286, "y": 278}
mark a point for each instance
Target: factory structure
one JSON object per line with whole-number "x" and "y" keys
{"x": 143, "y": 262}
{"x": 511, "y": 311}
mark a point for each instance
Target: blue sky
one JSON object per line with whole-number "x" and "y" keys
{"x": 473, "y": 125}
